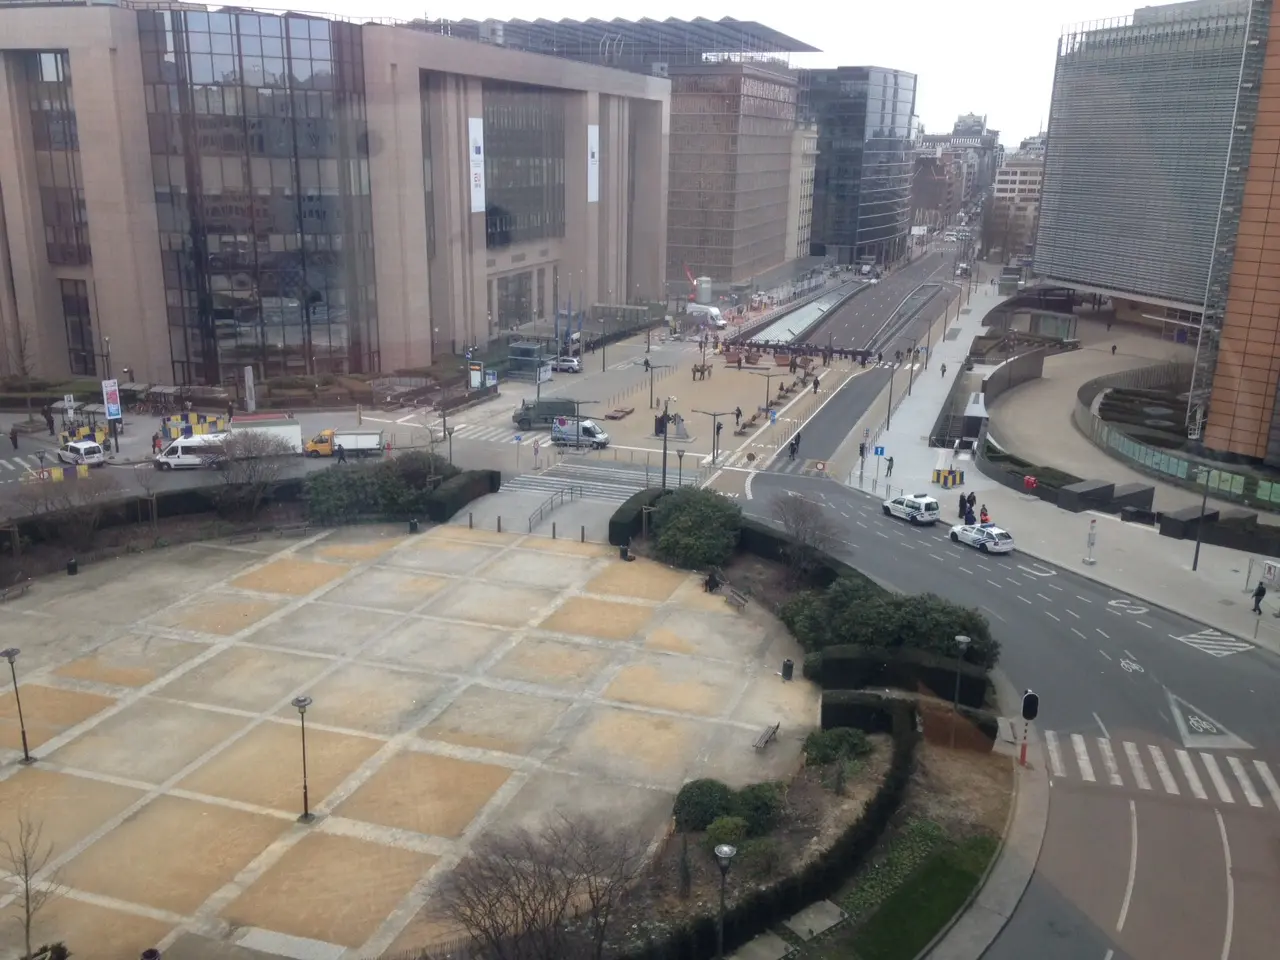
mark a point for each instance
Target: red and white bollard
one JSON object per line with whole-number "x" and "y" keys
{"x": 1022, "y": 753}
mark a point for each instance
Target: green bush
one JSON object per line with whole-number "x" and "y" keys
{"x": 822, "y": 747}
{"x": 811, "y": 669}
{"x": 732, "y": 830}
{"x": 855, "y": 668}
{"x": 760, "y": 805}
{"x": 627, "y": 521}
{"x": 699, "y": 802}
{"x": 456, "y": 492}
{"x": 696, "y": 528}
{"x": 861, "y": 709}
{"x": 759, "y": 857}
{"x": 394, "y": 488}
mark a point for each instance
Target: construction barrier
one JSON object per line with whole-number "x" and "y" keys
{"x": 82, "y": 470}
{"x": 949, "y": 478}
{"x": 191, "y": 424}
{"x": 97, "y": 433}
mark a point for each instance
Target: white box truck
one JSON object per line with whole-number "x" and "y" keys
{"x": 354, "y": 443}
{"x": 286, "y": 428}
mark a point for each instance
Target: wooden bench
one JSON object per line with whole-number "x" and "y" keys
{"x": 293, "y": 530}
{"x": 767, "y": 736}
{"x": 15, "y": 591}
{"x": 251, "y": 536}
{"x": 735, "y": 599}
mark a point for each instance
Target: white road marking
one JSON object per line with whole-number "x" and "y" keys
{"x": 966, "y": 570}
{"x": 1044, "y": 598}
{"x": 1162, "y": 770}
{"x": 1103, "y": 632}
{"x": 1104, "y": 653}
{"x": 1101, "y": 727}
{"x": 994, "y": 584}
{"x": 1053, "y": 587}
{"x": 1109, "y": 762}
{"x": 1143, "y": 623}
{"x": 879, "y": 534}
{"x": 8, "y": 465}
{"x": 1189, "y": 771}
{"x": 1135, "y": 764}
{"x": 1055, "y": 616}
{"x": 1082, "y": 758}
{"x": 1216, "y": 778}
{"x": 1231, "y": 888}
{"x": 1268, "y": 781}
{"x": 936, "y": 557}
{"x": 1055, "y": 754}
{"x": 1246, "y": 785}
{"x": 984, "y": 566}
{"x": 1016, "y": 583}
{"x": 1116, "y": 612}
{"x": 1024, "y": 600}
{"x": 1085, "y": 599}
{"x": 1133, "y": 865}
{"x": 862, "y": 525}
{"x": 1074, "y": 614}
{"x": 906, "y": 546}
{"x": 1079, "y": 634}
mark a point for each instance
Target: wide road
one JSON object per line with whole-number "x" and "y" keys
{"x": 852, "y": 325}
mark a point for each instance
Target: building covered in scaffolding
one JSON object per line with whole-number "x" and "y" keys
{"x": 734, "y": 130}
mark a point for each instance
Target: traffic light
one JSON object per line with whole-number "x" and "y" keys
{"x": 1030, "y": 705}
{"x": 862, "y": 451}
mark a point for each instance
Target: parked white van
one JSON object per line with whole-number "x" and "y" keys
{"x": 192, "y": 452}
{"x": 578, "y": 433}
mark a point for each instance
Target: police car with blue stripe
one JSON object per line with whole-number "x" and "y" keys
{"x": 987, "y": 537}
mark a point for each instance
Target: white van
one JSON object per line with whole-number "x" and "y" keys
{"x": 712, "y": 314}
{"x": 192, "y": 452}
{"x": 578, "y": 433}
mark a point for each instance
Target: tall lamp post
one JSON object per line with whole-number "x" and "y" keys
{"x": 725, "y": 852}
{"x": 915, "y": 341}
{"x": 1202, "y": 475}
{"x": 301, "y": 704}
{"x": 680, "y": 467}
{"x": 653, "y": 367}
{"x": 666, "y": 428}
{"x": 448, "y": 432}
{"x": 715, "y": 416}
{"x": 768, "y": 381}
{"x": 11, "y": 654}
{"x": 962, "y": 644}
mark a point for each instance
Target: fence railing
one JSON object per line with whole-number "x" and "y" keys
{"x": 571, "y": 492}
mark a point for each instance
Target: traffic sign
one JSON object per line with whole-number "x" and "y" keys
{"x": 821, "y": 465}
{"x": 879, "y": 451}
{"x": 519, "y": 438}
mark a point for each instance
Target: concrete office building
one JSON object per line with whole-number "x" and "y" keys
{"x": 305, "y": 195}
{"x": 862, "y": 185}
{"x": 1013, "y": 209}
{"x": 804, "y": 160}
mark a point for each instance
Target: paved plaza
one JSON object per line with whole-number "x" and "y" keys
{"x": 463, "y": 681}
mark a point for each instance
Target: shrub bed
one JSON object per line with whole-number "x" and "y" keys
{"x": 853, "y": 668}
{"x": 627, "y": 521}
{"x": 696, "y": 529}
{"x": 395, "y": 488}
{"x": 456, "y": 492}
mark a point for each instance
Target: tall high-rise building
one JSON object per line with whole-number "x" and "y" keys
{"x": 190, "y": 191}
{"x": 862, "y": 184}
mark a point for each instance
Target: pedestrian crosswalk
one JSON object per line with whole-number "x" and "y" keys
{"x": 1197, "y": 774}
{"x": 612, "y": 484}
{"x": 804, "y": 468}
{"x": 13, "y": 468}
{"x": 500, "y": 433}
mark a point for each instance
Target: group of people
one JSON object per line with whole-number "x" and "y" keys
{"x": 967, "y": 504}
{"x": 794, "y": 446}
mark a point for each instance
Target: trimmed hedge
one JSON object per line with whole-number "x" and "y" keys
{"x": 456, "y": 492}
{"x": 864, "y": 710}
{"x": 770, "y": 543}
{"x": 853, "y": 668}
{"x": 764, "y": 906}
{"x": 627, "y": 521}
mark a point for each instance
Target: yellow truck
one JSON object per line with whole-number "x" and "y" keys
{"x": 354, "y": 443}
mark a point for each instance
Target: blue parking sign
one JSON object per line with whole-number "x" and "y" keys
{"x": 773, "y": 416}
{"x": 879, "y": 451}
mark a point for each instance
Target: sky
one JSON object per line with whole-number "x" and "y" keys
{"x": 992, "y": 57}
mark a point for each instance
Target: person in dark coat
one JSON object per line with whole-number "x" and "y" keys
{"x": 1259, "y": 592}
{"x": 964, "y": 505}
{"x": 973, "y": 501}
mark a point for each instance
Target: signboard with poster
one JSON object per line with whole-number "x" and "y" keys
{"x": 476, "y": 370}
{"x": 111, "y": 399}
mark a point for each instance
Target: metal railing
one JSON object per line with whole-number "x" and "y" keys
{"x": 571, "y": 492}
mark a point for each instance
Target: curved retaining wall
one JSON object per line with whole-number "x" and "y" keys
{"x": 1012, "y": 373}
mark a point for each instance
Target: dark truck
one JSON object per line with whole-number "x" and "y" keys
{"x": 541, "y": 413}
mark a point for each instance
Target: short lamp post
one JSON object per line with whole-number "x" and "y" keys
{"x": 666, "y": 430}
{"x": 1202, "y": 475}
{"x": 448, "y": 432}
{"x": 679, "y": 468}
{"x": 715, "y": 429}
{"x": 301, "y": 704}
{"x": 962, "y": 643}
{"x": 725, "y": 852}
{"x": 11, "y": 654}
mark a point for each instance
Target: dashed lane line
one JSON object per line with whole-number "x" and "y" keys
{"x": 1044, "y": 598}
{"x": 1085, "y": 599}
{"x": 1051, "y": 614}
{"x": 1143, "y": 623}
{"x": 1103, "y": 632}
{"x": 1074, "y": 614}
{"x": 1053, "y": 587}
{"x": 965, "y": 570}
{"x": 994, "y": 584}
{"x": 1024, "y": 600}
{"x": 1079, "y": 634}
{"x": 1016, "y": 583}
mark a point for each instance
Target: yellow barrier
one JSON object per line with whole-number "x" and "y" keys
{"x": 82, "y": 470}
{"x": 949, "y": 478}
{"x": 56, "y": 474}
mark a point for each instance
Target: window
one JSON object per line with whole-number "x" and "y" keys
{"x": 79, "y": 325}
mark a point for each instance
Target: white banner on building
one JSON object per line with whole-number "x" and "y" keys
{"x": 593, "y": 163}
{"x": 475, "y": 160}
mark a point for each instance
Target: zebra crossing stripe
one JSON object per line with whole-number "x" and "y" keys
{"x": 1193, "y": 778}
{"x": 1216, "y": 778}
{"x": 1082, "y": 758}
{"x": 1162, "y": 770}
{"x": 1135, "y": 763}
{"x": 1268, "y": 781}
{"x": 1055, "y": 754}
{"x": 1109, "y": 761}
{"x": 1246, "y": 785}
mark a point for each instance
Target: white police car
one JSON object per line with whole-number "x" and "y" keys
{"x": 918, "y": 508}
{"x": 987, "y": 537}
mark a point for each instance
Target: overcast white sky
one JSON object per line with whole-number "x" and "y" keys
{"x": 972, "y": 56}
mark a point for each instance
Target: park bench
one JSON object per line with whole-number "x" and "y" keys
{"x": 767, "y": 736}
{"x": 294, "y": 530}
{"x": 735, "y": 599}
{"x": 249, "y": 536}
{"x": 619, "y": 413}
{"x": 15, "y": 591}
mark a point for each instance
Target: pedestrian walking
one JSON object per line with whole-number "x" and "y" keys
{"x": 231, "y": 409}
{"x": 888, "y": 468}
{"x": 13, "y": 436}
{"x": 342, "y": 453}
{"x": 1113, "y": 349}
{"x": 815, "y": 386}
{"x": 964, "y": 506}
{"x": 984, "y": 515}
{"x": 155, "y": 442}
{"x": 737, "y": 411}
{"x": 791, "y": 448}
{"x": 1259, "y": 592}
{"x": 969, "y": 518}
{"x": 739, "y": 361}
{"x": 944, "y": 371}
{"x": 972, "y": 501}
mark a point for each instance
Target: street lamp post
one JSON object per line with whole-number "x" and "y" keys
{"x": 301, "y": 704}
{"x": 914, "y": 349}
{"x": 715, "y": 416}
{"x": 1202, "y": 474}
{"x": 448, "y": 432}
{"x": 962, "y": 643}
{"x": 666, "y": 429}
{"x": 725, "y": 852}
{"x": 768, "y": 382}
{"x": 603, "y": 326}
{"x": 680, "y": 467}
{"x": 652, "y": 368}
{"x": 11, "y": 655}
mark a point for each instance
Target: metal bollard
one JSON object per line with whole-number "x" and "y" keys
{"x": 471, "y": 521}
{"x": 553, "y": 529}
{"x": 499, "y": 524}
{"x": 584, "y": 534}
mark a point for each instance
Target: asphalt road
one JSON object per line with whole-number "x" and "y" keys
{"x": 856, "y": 322}
{"x": 1129, "y": 869}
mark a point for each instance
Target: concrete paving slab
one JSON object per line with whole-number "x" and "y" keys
{"x": 425, "y": 793}
{"x": 393, "y": 590}
{"x": 289, "y": 576}
{"x": 491, "y": 719}
{"x": 48, "y": 711}
{"x": 546, "y": 795}
{"x": 191, "y": 946}
{"x": 426, "y": 927}
{"x": 454, "y": 531}
{"x": 659, "y": 748}
{"x": 373, "y": 699}
{"x": 552, "y": 663}
{"x": 149, "y": 741}
{"x": 69, "y": 807}
{"x": 718, "y": 633}
{"x": 814, "y": 919}
{"x": 442, "y": 556}
{"x": 566, "y": 547}
{"x": 437, "y": 645}
{"x": 179, "y": 853}
{"x": 767, "y": 946}
{"x": 355, "y": 544}
{"x": 675, "y": 684}
{"x": 329, "y": 888}
{"x": 602, "y": 619}
{"x": 643, "y": 580}
{"x": 245, "y": 678}
{"x": 497, "y": 604}
{"x": 89, "y": 930}
{"x": 130, "y": 660}
{"x": 322, "y": 627}
{"x": 219, "y": 614}
{"x": 272, "y": 751}
{"x": 532, "y": 569}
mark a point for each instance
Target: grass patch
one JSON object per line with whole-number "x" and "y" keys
{"x": 914, "y": 913}
{"x": 911, "y": 846}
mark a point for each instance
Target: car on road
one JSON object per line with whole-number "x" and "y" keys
{"x": 566, "y": 365}
{"x": 82, "y": 451}
{"x": 916, "y": 508}
{"x": 987, "y": 537}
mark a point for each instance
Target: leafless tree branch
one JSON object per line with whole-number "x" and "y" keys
{"x": 24, "y": 856}
{"x": 806, "y": 525}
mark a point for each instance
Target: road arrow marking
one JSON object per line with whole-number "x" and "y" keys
{"x": 1214, "y": 642}
{"x": 1198, "y": 730}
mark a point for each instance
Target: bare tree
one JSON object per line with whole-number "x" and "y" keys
{"x": 809, "y": 530}
{"x": 548, "y": 895}
{"x": 145, "y": 476}
{"x": 24, "y": 857}
{"x": 251, "y": 465}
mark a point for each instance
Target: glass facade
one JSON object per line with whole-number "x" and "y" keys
{"x": 57, "y": 156}
{"x": 259, "y": 155}
{"x": 78, "y": 320}
{"x": 523, "y": 163}
{"x": 862, "y": 182}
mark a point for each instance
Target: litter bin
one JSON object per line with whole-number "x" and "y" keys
{"x": 622, "y": 552}
{"x": 73, "y": 567}
{"x": 788, "y": 669}
{"x": 413, "y": 526}
{"x": 152, "y": 954}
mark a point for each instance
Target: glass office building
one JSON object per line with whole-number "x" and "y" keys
{"x": 862, "y": 184}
